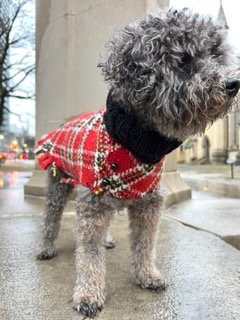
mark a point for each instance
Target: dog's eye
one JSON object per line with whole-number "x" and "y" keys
{"x": 186, "y": 59}
{"x": 146, "y": 72}
{"x": 216, "y": 48}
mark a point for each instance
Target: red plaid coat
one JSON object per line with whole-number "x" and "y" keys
{"x": 83, "y": 149}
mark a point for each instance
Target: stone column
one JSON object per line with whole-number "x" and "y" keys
{"x": 232, "y": 134}
{"x": 152, "y": 5}
{"x": 70, "y": 37}
{"x": 238, "y": 134}
{"x": 220, "y": 141}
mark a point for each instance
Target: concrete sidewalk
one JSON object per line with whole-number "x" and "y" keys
{"x": 215, "y": 179}
{"x": 202, "y": 272}
{"x": 221, "y": 217}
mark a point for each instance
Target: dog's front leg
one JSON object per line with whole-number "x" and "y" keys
{"x": 93, "y": 218}
{"x": 144, "y": 216}
{"x": 57, "y": 195}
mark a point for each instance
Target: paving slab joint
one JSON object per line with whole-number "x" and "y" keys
{"x": 232, "y": 240}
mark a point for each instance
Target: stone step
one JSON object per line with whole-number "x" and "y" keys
{"x": 217, "y": 216}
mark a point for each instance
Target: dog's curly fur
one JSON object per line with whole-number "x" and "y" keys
{"x": 170, "y": 69}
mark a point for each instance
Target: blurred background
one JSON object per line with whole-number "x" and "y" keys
{"x": 17, "y": 79}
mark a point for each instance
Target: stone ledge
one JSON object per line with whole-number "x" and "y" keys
{"x": 220, "y": 186}
{"x": 217, "y": 216}
{"x": 36, "y": 185}
{"x": 177, "y": 189}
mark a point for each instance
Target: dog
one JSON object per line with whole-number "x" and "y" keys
{"x": 169, "y": 78}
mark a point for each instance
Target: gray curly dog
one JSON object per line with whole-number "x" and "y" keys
{"x": 169, "y": 77}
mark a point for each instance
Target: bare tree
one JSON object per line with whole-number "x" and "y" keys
{"x": 16, "y": 52}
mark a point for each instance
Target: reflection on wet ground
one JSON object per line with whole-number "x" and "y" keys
{"x": 13, "y": 179}
{"x": 12, "y": 199}
{"x": 13, "y": 202}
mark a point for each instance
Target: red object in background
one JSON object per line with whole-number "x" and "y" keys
{"x": 23, "y": 156}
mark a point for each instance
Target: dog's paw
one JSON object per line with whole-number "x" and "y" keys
{"x": 87, "y": 309}
{"x": 151, "y": 282}
{"x": 87, "y": 305}
{"x": 109, "y": 244}
{"x": 46, "y": 254}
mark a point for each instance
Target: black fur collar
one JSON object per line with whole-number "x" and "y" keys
{"x": 126, "y": 129}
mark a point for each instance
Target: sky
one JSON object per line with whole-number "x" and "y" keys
{"x": 211, "y": 7}
{"x": 22, "y": 117}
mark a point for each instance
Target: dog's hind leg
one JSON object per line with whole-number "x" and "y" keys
{"x": 144, "y": 216}
{"x": 57, "y": 195}
{"x": 93, "y": 218}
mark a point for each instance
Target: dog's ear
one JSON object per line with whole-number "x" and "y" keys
{"x": 130, "y": 61}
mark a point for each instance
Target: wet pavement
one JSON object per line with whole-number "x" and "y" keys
{"x": 202, "y": 272}
{"x": 13, "y": 179}
{"x": 213, "y": 179}
{"x": 12, "y": 199}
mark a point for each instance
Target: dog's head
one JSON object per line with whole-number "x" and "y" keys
{"x": 171, "y": 69}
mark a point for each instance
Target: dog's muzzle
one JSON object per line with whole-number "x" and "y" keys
{"x": 232, "y": 86}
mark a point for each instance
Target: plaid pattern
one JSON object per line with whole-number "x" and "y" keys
{"x": 83, "y": 149}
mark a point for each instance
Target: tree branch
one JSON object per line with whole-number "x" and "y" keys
{"x": 20, "y": 81}
{"x": 21, "y": 97}
{"x": 9, "y": 29}
{"x": 19, "y": 72}
{"x": 15, "y": 66}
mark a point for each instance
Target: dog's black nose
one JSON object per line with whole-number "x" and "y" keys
{"x": 232, "y": 85}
